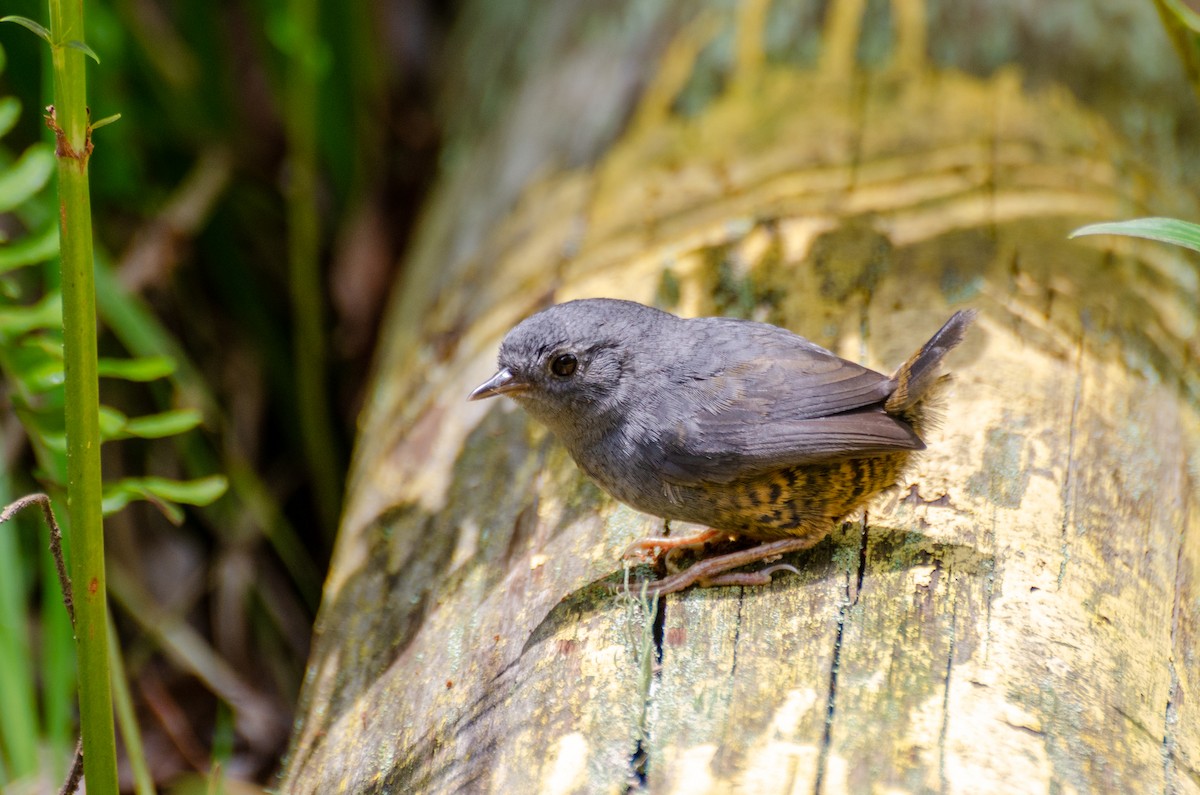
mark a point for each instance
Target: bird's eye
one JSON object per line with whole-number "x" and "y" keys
{"x": 564, "y": 365}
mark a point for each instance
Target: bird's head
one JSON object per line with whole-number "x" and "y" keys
{"x": 571, "y": 365}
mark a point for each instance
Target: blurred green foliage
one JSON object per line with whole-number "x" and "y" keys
{"x": 1182, "y": 24}
{"x": 189, "y": 195}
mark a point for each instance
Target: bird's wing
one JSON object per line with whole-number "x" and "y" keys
{"x": 760, "y": 398}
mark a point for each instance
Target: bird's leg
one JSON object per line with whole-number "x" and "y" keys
{"x": 715, "y": 571}
{"x": 651, "y": 548}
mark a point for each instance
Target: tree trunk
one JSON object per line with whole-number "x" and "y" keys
{"x": 1020, "y": 614}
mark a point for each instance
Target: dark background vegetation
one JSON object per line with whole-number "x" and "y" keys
{"x": 189, "y": 206}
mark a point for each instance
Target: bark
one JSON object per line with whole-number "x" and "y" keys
{"x": 1020, "y": 614}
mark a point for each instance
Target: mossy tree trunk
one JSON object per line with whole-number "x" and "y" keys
{"x": 1021, "y": 614}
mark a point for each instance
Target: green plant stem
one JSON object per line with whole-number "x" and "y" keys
{"x": 143, "y": 782}
{"x": 72, "y": 147}
{"x": 304, "y": 236}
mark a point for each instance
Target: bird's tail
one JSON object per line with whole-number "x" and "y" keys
{"x": 922, "y": 372}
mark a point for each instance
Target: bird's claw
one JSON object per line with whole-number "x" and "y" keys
{"x": 652, "y": 548}
{"x": 718, "y": 570}
{"x": 644, "y": 550}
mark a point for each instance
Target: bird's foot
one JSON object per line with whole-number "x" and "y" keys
{"x": 717, "y": 570}
{"x": 652, "y": 548}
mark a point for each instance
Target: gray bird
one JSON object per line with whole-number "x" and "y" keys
{"x": 741, "y": 426}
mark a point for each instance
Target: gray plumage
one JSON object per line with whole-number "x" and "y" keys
{"x": 743, "y": 426}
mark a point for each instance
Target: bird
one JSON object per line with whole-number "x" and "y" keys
{"x": 744, "y": 427}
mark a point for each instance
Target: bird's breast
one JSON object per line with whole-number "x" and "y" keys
{"x": 620, "y": 465}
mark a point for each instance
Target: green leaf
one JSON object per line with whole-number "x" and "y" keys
{"x": 112, "y": 424}
{"x": 306, "y": 50}
{"x": 143, "y": 368}
{"x": 48, "y": 344}
{"x": 120, "y": 494}
{"x": 167, "y": 423}
{"x": 18, "y": 320}
{"x": 201, "y": 491}
{"x": 26, "y": 22}
{"x": 43, "y": 376}
{"x": 37, "y": 371}
{"x": 115, "y": 426}
{"x": 164, "y": 493}
{"x": 107, "y": 120}
{"x": 10, "y": 111}
{"x": 75, "y": 44}
{"x": 1166, "y": 230}
{"x": 26, "y": 177}
{"x": 29, "y": 250}
{"x": 115, "y": 499}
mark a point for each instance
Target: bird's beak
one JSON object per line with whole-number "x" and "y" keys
{"x": 503, "y": 382}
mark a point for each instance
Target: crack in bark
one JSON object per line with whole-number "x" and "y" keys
{"x": 943, "y": 782}
{"x": 737, "y": 634}
{"x": 654, "y": 611}
{"x": 1170, "y": 716}
{"x": 831, "y": 702}
{"x": 1171, "y": 712}
{"x": 990, "y": 590}
{"x": 1068, "y": 499}
{"x": 862, "y": 561}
